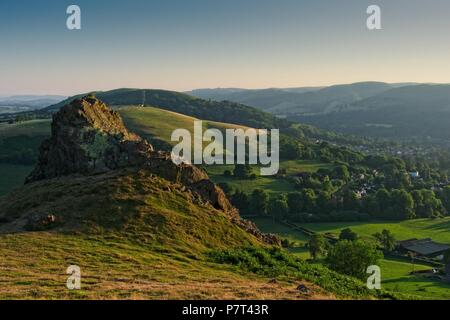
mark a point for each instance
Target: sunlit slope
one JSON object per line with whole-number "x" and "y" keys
{"x": 157, "y": 125}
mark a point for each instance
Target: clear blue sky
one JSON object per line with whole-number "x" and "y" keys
{"x": 186, "y": 44}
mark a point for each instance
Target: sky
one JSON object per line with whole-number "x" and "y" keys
{"x": 187, "y": 44}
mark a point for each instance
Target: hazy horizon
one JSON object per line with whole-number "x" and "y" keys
{"x": 221, "y": 87}
{"x": 179, "y": 45}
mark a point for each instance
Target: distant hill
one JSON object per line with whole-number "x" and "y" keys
{"x": 417, "y": 111}
{"x": 11, "y": 104}
{"x": 369, "y": 109}
{"x": 229, "y": 112}
{"x": 298, "y": 100}
{"x": 219, "y": 111}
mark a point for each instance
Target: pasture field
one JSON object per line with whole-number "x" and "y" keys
{"x": 396, "y": 274}
{"x": 437, "y": 229}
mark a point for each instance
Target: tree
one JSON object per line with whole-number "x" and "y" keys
{"x": 386, "y": 239}
{"x": 317, "y": 246}
{"x": 259, "y": 201}
{"x": 426, "y": 204}
{"x": 309, "y": 200}
{"x": 227, "y": 173}
{"x": 278, "y": 208}
{"x": 350, "y": 200}
{"x": 447, "y": 264}
{"x": 348, "y": 234}
{"x": 226, "y": 187}
{"x": 295, "y": 202}
{"x": 243, "y": 171}
{"x": 402, "y": 205}
{"x": 241, "y": 201}
{"x": 341, "y": 172}
{"x": 353, "y": 257}
{"x": 445, "y": 197}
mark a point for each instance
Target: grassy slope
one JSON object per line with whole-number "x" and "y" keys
{"x": 142, "y": 238}
{"x": 159, "y": 123}
{"x": 395, "y": 273}
{"x": 134, "y": 236}
{"x": 114, "y": 268}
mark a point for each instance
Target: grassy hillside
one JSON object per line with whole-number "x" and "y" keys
{"x": 157, "y": 125}
{"x": 135, "y": 235}
{"x": 116, "y": 268}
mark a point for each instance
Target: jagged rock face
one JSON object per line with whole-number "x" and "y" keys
{"x": 89, "y": 138}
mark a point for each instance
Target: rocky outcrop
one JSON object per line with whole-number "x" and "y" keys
{"x": 90, "y": 138}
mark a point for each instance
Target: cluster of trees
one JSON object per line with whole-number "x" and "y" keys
{"x": 351, "y": 255}
{"x": 23, "y": 150}
{"x": 401, "y": 204}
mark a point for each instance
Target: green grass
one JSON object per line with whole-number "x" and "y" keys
{"x": 154, "y": 123}
{"x": 271, "y": 184}
{"x": 115, "y": 267}
{"x": 12, "y": 176}
{"x": 279, "y": 264}
{"x": 396, "y": 276}
{"x": 299, "y": 166}
{"x": 27, "y": 128}
{"x": 438, "y": 230}
{"x": 297, "y": 238}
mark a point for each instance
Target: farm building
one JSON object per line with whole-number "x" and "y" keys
{"x": 423, "y": 247}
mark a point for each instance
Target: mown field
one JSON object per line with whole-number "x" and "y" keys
{"x": 438, "y": 230}
{"x": 396, "y": 274}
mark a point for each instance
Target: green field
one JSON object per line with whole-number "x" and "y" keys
{"x": 269, "y": 183}
{"x": 154, "y": 123}
{"x": 438, "y": 229}
{"x": 298, "y": 166}
{"x": 27, "y": 128}
{"x": 395, "y": 273}
{"x": 12, "y": 176}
